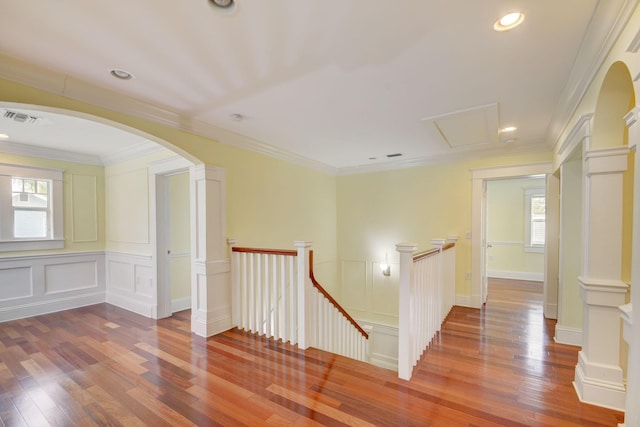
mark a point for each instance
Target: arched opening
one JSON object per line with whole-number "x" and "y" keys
{"x": 113, "y": 210}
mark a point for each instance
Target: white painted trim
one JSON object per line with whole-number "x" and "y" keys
{"x": 465, "y": 301}
{"x": 38, "y": 308}
{"x": 126, "y": 302}
{"x": 138, "y": 150}
{"x": 578, "y": 135}
{"x": 48, "y": 153}
{"x": 568, "y": 335}
{"x": 593, "y": 52}
{"x": 180, "y": 304}
{"x": 551, "y": 311}
{"x": 478, "y": 217}
{"x": 516, "y": 275}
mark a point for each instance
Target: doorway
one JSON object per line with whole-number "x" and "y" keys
{"x": 480, "y": 177}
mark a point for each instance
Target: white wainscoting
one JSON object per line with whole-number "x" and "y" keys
{"x": 38, "y": 284}
{"x": 383, "y": 344}
{"x": 130, "y": 283}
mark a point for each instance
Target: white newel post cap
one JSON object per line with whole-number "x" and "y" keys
{"x": 406, "y": 247}
{"x": 232, "y": 241}
{"x": 438, "y": 243}
{"x": 452, "y": 239}
{"x": 301, "y": 244}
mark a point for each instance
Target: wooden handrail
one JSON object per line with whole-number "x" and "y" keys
{"x": 424, "y": 254}
{"x": 266, "y": 251}
{"x": 335, "y": 303}
{"x": 448, "y": 246}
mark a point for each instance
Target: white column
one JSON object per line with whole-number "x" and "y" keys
{"x": 306, "y": 335}
{"x": 632, "y": 317}
{"x": 599, "y": 377}
{"x": 405, "y": 364}
{"x": 210, "y": 269}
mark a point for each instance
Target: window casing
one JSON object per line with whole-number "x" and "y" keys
{"x": 535, "y": 219}
{"x": 30, "y": 208}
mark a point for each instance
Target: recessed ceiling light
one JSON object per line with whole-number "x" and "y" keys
{"x": 508, "y": 129}
{"x": 225, "y": 6}
{"x": 509, "y": 21}
{"x": 121, "y": 74}
{"x": 4, "y": 136}
{"x": 236, "y": 117}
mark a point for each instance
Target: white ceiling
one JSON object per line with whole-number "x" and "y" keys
{"x": 335, "y": 82}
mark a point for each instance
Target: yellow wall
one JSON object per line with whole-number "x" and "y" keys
{"x": 506, "y": 227}
{"x": 84, "y": 216}
{"x": 569, "y": 298}
{"x": 378, "y": 210}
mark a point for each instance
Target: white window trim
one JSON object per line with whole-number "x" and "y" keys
{"x": 56, "y": 240}
{"x": 529, "y": 193}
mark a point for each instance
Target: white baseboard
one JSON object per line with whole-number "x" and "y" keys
{"x": 131, "y": 304}
{"x": 50, "y": 306}
{"x": 568, "y": 335}
{"x": 384, "y": 361}
{"x": 465, "y": 301}
{"x": 551, "y": 311}
{"x": 516, "y": 275}
{"x": 180, "y": 304}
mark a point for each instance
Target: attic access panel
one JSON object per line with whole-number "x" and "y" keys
{"x": 474, "y": 127}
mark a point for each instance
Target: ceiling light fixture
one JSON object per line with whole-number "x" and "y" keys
{"x": 224, "y": 6}
{"x": 508, "y": 129}
{"x": 509, "y": 21}
{"x": 121, "y": 74}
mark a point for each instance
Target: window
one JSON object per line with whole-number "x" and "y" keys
{"x": 535, "y": 213}
{"x": 30, "y": 208}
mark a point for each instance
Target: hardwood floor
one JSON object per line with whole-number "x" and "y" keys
{"x": 101, "y": 365}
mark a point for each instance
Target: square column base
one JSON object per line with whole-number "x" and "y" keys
{"x": 594, "y": 389}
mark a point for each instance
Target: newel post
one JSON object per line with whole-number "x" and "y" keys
{"x": 405, "y": 365}
{"x": 305, "y": 337}
{"x": 235, "y": 282}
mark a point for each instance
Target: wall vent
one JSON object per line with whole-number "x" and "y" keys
{"x": 21, "y": 117}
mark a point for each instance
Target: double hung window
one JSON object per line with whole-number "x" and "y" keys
{"x": 30, "y": 208}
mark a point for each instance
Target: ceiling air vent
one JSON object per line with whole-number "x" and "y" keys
{"x": 20, "y": 117}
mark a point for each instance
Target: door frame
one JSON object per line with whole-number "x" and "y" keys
{"x": 159, "y": 172}
{"x": 479, "y": 219}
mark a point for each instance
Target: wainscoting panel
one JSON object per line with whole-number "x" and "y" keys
{"x": 15, "y": 282}
{"x": 130, "y": 284}
{"x": 385, "y": 290}
{"x": 39, "y": 284}
{"x": 354, "y": 285}
{"x": 70, "y": 276}
{"x": 383, "y": 344}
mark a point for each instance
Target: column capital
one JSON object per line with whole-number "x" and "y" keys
{"x": 607, "y": 293}
{"x": 606, "y": 160}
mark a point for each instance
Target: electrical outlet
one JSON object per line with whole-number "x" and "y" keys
{"x": 467, "y": 276}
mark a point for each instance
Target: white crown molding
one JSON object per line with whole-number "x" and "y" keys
{"x": 589, "y": 60}
{"x": 48, "y": 153}
{"x": 132, "y": 152}
{"x": 578, "y": 134}
{"x": 446, "y": 158}
{"x": 48, "y": 80}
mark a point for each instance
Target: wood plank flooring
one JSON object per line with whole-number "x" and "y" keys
{"x": 101, "y": 365}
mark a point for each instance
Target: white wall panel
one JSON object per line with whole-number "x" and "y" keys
{"x": 15, "y": 283}
{"x": 70, "y": 276}
{"x": 354, "y": 281}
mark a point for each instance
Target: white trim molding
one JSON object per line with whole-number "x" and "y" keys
{"x": 568, "y": 335}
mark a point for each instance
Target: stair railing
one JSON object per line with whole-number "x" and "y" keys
{"x": 427, "y": 293}
{"x": 275, "y": 293}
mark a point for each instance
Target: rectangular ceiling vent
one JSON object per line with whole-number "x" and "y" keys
{"x": 21, "y": 117}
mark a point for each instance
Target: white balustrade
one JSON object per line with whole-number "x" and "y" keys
{"x": 275, "y": 294}
{"x": 427, "y": 293}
